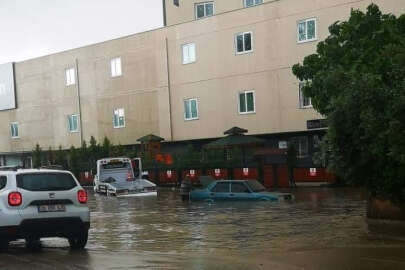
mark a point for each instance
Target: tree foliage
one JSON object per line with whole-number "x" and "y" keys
{"x": 357, "y": 81}
{"x": 37, "y": 156}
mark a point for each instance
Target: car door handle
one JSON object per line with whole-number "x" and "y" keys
{"x": 231, "y": 195}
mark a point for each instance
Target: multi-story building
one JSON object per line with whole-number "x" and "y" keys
{"x": 214, "y": 65}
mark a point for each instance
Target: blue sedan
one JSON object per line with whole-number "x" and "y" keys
{"x": 237, "y": 190}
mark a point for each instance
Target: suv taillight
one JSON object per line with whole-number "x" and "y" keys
{"x": 14, "y": 198}
{"x": 82, "y": 196}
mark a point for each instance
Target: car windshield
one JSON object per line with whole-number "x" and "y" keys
{"x": 255, "y": 186}
{"x": 45, "y": 181}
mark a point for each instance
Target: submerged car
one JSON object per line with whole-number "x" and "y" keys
{"x": 237, "y": 190}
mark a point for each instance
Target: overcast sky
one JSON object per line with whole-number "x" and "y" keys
{"x": 32, "y": 28}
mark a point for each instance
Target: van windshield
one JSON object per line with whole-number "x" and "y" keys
{"x": 116, "y": 165}
{"x": 45, "y": 181}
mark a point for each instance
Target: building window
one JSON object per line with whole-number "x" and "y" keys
{"x": 247, "y": 102}
{"x": 306, "y": 30}
{"x": 116, "y": 67}
{"x": 73, "y": 123}
{"x": 70, "y": 76}
{"x": 305, "y": 102}
{"x": 176, "y": 2}
{"x": 14, "y": 130}
{"x": 188, "y": 53}
{"x": 250, "y": 3}
{"x": 119, "y": 118}
{"x": 190, "y": 109}
{"x": 203, "y": 10}
{"x": 243, "y": 42}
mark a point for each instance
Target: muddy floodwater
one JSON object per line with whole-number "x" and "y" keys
{"x": 323, "y": 229}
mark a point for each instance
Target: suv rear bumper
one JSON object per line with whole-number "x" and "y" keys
{"x": 46, "y": 227}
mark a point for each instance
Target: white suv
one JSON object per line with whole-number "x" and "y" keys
{"x": 38, "y": 203}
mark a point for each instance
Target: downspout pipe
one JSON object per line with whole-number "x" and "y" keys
{"x": 169, "y": 89}
{"x": 79, "y": 107}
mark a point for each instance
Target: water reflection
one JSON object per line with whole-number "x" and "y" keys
{"x": 322, "y": 229}
{"x": 319, "y": 217}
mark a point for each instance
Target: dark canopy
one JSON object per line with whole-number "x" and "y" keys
{"x": 235, "y": 138}
{"x": 150, "y": 138}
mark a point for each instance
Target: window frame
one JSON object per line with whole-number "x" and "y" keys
{"x": 205, "y": 15}
{"x": 70, "y": 76}
{"x": 77, "y": 123}
{"x": 118, "y": 122}
{"x": 301, "y": 98}
{"x": 306, "y": 30}
{"x": 299, "y": 150}
{"x": 188, "y": 48}
{"x": 254, "y": 3}
{"x": 113, "y": 62}
{"x": 244, "y": 46}
{"x": 254, "y": 102}
{"x": 189, "y": 106}
{"x": 247, "y": 191}
{"x": 11, "y": 130}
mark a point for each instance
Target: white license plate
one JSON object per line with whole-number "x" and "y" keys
{"x": 52, "y": 208}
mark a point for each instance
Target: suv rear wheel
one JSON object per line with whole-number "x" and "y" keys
{"x": 78, "y": 241}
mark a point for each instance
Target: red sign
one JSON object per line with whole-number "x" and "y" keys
{"x": 160, "y": 158}
{"x": 192, "y": 173}
{"x": 312, "y": 171}
{"x": 217, "y": 172}
{"x": 245, "y": 171}
{"x": 168, "y": 159}
{"x": 169, "y": 174}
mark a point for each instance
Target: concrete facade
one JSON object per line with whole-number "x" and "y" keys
{"x": 154, "y": 81}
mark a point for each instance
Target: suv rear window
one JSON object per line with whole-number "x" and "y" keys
{"x": 3, "y": 182}
{"x": 45, "y": 181}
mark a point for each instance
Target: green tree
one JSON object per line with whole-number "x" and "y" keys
{"x": 83, "y": 157}
{"x": 106, "y": 148}
{"x": 50, "y": 156}
{"x": 74, "y": 161}
{"x": 60, "y": 157}
{"x": 37, "y": 156}
{"x": 357, "y": 81}
{"x": 94, "y": 153}
{"x": 118, "y": 150}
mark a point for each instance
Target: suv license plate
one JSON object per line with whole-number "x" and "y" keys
{"x": 52, "y": 208}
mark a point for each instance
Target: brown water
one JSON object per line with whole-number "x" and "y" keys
{"x": 323, "y": 229}
{"x": 319, "y": 217}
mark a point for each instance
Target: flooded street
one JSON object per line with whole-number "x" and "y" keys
{"x": 323, "y": 229}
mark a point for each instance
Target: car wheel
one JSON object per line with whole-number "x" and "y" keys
{"x": 78, "y": 241}
{"x": 33, "y": 243}
{"x": 3, "y": 245}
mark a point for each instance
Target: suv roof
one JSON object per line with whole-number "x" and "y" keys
{"x": 17, "y": 171}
